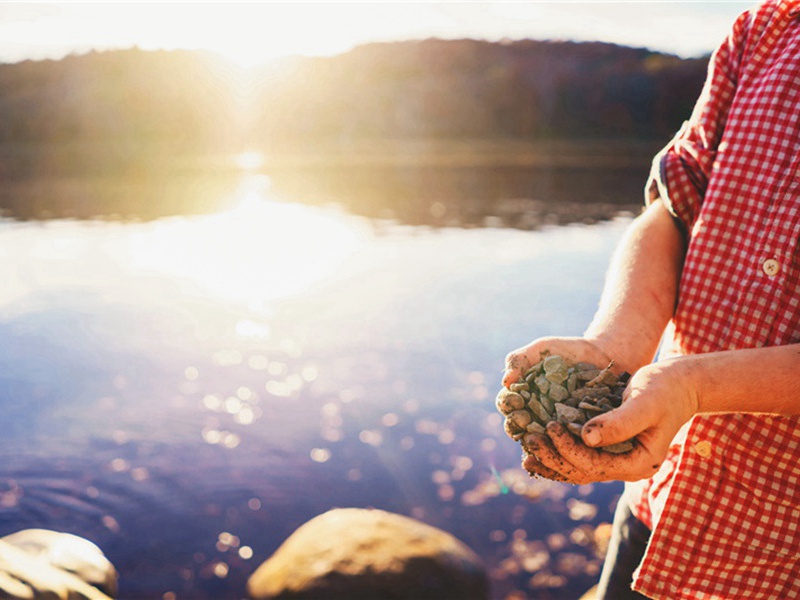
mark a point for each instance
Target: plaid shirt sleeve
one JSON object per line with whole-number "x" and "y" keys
{"x": 680, "y": 172}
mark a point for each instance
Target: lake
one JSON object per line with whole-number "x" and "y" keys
{"x": 186, "y": 386}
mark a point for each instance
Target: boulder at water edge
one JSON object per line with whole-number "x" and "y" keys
{"x": 361, "y": 554}
{"x": 38, "y": 563}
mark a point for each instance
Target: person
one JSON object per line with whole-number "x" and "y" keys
{"x": 707, "y": 281}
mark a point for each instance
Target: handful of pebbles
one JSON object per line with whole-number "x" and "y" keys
{"x": 554, "y": 390}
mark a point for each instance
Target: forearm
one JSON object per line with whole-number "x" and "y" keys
{"x": 640, "y": 291}
{"x": 763, "y": 380}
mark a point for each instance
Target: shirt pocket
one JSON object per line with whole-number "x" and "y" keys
{"x": 763, "y": 458}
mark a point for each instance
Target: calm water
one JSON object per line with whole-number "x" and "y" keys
{"x": 185, "y": 391}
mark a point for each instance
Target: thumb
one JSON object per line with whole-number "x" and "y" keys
{"x": 619, "y": 425}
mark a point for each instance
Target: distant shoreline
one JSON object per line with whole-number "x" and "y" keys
{"x": 23, "y": 161}
{"x": 464, "y": 182}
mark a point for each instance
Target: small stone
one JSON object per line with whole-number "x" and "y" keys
{"x": 512, "y": 430}
{"x": 587, "y": 375}
{"x": 573, "y": 402}
{"x": 539, "y": 411}
{"x": 548, "y": 404}
{"x": 567, "y": 414}
{"x": 555, "y": 390}
{"x": 534, "y": 370}
{"x": 535, "y": 427}
{"x": 558, "y": 392}
{"x": 542, "y": 383}
{"x": 572, "y": 382}
{"x": 520, "y": 418}
{"x": 508, "y": 401}
{"x": 604, "y": 377}
{"x": 619, "y": 448}
{"x": 554, "y": 363}
{"x": 605, "y": 403}
{"x": 591, "y": 392}
{"x": 555, "y": 369}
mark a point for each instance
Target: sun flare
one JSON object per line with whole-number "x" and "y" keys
{"x": 258, "y": 251}
{"x": 250, "y": 160}
{"x": 254, "y": 35}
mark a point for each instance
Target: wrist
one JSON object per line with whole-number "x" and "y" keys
{"x": 685, "y": 374}
{"x": 623, "y": 354}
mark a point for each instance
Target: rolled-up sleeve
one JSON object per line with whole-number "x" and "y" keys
{"x": 680, "y": 173}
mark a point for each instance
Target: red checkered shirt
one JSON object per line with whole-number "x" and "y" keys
{"x": 725, "y": 507}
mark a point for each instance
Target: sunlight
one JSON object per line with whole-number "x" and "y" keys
{"x": 258, "y": 251}
{"x": 253, "y": 33}
{"x": 249, "y": 161}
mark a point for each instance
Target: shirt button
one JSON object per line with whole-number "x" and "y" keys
{"x": 703, "y": 448}
{"x": 771, "y": 267}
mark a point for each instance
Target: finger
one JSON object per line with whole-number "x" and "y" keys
{"x": 531, "y": 464}
{"x": 548, "y": 456}
{"x": 623, "y": 423}
{"x": 517, "y": 362}
{"x": 602, "y": 466}
{"x": 595, "y": 463}
{"x": 522, "y": 359}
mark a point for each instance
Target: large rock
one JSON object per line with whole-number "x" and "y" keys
{"x": 360, "y": 554}
{"x": 39, "y": 563}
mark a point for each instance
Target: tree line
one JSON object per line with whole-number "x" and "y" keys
{"x": 441, "y": 89}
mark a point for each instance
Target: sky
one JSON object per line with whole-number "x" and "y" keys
{"x": 252, "y": 33}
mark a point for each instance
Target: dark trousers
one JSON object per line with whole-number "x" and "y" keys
{"x": 625, "y": 551}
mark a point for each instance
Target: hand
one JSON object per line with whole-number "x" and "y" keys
{"x": 573, "y": 349}
{"x": 659, "y": 399}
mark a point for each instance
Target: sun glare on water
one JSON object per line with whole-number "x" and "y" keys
{"x": 258, "y": 251}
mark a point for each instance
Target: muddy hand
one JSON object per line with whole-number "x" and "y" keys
{"x": 573, "y": 349}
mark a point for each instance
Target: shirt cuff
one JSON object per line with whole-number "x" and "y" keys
{"x": 657, "y": 187}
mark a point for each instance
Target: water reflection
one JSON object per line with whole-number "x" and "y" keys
{"x": 471, "y": 195}
{"x": 523, "y": 197}
{"x": 186, "y": 391}
{"x": 258, "y": 250}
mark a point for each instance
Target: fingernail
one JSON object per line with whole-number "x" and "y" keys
{"x": 530, "y": 443}
{"x": 591, "y": 436}
{"x": 555, "y": 427}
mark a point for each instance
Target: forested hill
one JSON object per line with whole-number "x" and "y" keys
{"x": 467, "y": 88}
{"x": 461, "y": 89}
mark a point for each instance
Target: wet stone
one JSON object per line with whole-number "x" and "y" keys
{"x": 39, "y": 563}
{"x": 360, "y": 554}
